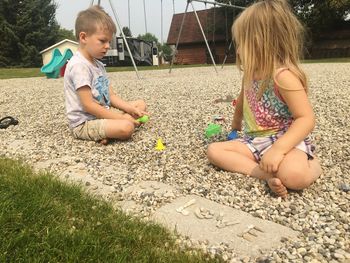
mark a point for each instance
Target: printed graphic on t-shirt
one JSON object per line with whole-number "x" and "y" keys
{"x": 101, "y": 91}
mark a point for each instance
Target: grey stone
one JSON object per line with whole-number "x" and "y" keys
{"x": 249, "y": 237}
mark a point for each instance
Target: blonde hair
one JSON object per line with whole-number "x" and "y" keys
{"x": 90, "y": 19}
{"x": 266, "y": 34}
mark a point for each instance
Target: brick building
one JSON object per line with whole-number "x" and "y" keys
{"x": 192, "y": 49}
{"x": 334, "y": 43}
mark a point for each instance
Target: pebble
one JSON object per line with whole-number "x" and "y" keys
{"x": 302, "y": 251}
{"x": 338, "y": 256}
{"x": 344, "y": 187}
{"x": 182, "y": 106}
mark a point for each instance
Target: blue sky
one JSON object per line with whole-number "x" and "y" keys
{"x": 68, "y": 9}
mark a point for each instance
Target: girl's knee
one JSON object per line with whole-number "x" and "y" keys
{"x": 212, "y": 151}
{"x": 296, "y": 179}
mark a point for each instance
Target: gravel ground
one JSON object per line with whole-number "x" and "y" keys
{"x": 182, "y": 105}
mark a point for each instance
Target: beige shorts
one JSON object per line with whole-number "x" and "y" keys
{"x": 93, "y": 130}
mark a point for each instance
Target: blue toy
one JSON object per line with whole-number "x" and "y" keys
{"x": 232, "y": 135}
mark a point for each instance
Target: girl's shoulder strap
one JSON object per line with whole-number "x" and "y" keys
{"x": 279, "y": 71}
{"x": 275, "y": 86}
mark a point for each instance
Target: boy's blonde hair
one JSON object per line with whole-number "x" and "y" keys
{"x": 268, "y": 33}
{"x": 90, "y": 19}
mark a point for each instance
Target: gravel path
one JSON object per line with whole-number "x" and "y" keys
{"x": 182, "y": 106}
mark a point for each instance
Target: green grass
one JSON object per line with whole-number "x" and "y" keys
{"x": 45, "y": 220}
{"x": 9, "y": 73}
{"x": 142, "y": 68}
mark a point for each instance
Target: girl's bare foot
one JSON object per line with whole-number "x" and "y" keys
{"x": 277, "y": 187}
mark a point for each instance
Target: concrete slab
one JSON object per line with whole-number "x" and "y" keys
{"x": 158, "y": 188}
{"x": 213, "y": 223}
{"x": 142, "y": 189}
{"x": 21, "y": 145}
{"x": 79, "y": 174}
{"x": 46, "y": 164}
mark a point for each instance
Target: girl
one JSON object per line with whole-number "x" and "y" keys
{"x": 273, "y": 102}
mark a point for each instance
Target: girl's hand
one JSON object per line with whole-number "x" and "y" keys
{"x": 271, "y": 160}
{"x": 236, "y": 125}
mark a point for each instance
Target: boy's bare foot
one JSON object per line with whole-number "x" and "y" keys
{"x": 277, "y": 187}
{"x": 104, "y": 141}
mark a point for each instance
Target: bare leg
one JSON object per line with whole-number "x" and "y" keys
{"x": 296, "y": 171}
{"x": 235, "y": 156}
{"x": 119, "y": 129}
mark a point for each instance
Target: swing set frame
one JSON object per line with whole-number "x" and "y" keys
{"x": 190, "y": 2}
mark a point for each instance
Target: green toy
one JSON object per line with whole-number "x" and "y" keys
{"x": 212, "y": 129}
{"x": 143, "y": 119}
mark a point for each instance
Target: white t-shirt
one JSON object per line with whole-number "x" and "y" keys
{"x": 79, "y": 73}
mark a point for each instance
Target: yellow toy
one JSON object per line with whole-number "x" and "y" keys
{"x": 160, "y": 146}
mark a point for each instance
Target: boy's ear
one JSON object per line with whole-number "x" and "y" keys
{"x": 82, "y": 37}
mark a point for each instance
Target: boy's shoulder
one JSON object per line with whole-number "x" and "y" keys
{"x": 100, "y": 64}
{"x": 78, "y": 65}
{"x": 76, "y": 59}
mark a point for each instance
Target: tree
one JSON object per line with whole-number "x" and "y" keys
{"x": 8, "y": 44}
{"x": 9, "y": 51}
{"x": 27, "y": 26}
{"x": 165, "y": 51}
{"x": 318, "y": 16}
{"x": 65, "y": 34}
{"x": 321, "y": 16}
{"x": 126, "y": 31}
{"x": 242, "y": 3}
{"x": 149, "y": 37}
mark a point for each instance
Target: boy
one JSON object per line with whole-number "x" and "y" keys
{"x": 88, "y": 93}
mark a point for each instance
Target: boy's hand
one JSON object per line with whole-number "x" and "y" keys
{"x": 136, "y": 112}
{"x": 131, "y": 118}
{"x": 271, "y": 160}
